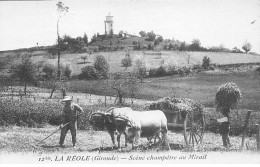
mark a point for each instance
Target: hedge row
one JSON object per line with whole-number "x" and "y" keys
{"x": 35, "y": 114}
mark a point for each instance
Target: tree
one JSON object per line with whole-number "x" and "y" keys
{"x": 25, "y": 73}
{"x": 124, "y": 84}
{"x": 143, "y": 34}
{"x": 62, "y": 9}
{"x": 53, "y": 51}
{"x": 68, "y": 43}
{"x": 94, "y": 38}
{"x": 120, "y": 33}
{"x": 140, "y": 69}
{"x": 151, "y": 36}
{"x": 160, "y": 38}
{"x": 195, "y": 46}
{"x": 101, "y": 65}
{"x": 51, "y": 81}
{"x": 126, "y": 62}
{"x": 156, "y": 42}
{"x": 84, "y": 58}
{"x": 236, "y": 50}
{"x": 85, "y": 39}
{"x": 182, "y": 46}
{"x": 247, "y": 47}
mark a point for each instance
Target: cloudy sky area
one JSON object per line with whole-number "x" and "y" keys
{"x": 213, "y": 22}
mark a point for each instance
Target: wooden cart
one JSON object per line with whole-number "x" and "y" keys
{"x": 188, "y": 118}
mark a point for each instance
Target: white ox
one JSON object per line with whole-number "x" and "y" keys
{"x": 147, "y": 124}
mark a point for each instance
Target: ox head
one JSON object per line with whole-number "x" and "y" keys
{"x": 100, "y": 121}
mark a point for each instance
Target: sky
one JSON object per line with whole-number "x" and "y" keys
{"x": 213, "y": 22}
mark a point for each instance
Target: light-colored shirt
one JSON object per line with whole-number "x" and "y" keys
{"x": 221, "y": 120}
{"x": 71, "y": 110}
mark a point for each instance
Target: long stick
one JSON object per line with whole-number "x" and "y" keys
{"x": 245, "y": 128}
{"x": 53, "y": 133}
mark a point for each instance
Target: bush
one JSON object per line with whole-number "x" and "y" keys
{"x": 161, "y": 71}
{"x": 101, "y": 65}
{"x": 140, "y": 69}
{"x": 89, "y": 73}
{"x": 157, "y": 72}
{"x": 171, "y": 70}
{"x": 143, "y": 34}
{"x": 205, "y": 63}
{"x": 67, "y": 71}
{"x": 27, "y": 113}
{"x": 35, "y": 114}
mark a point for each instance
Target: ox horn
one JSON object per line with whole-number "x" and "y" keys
{"x": 111, "y": 108}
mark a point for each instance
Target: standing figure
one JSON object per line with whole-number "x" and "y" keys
{"x": 224, "y": 127}
{"x": 227, "y": 98}
{"x": 70, "y": 114}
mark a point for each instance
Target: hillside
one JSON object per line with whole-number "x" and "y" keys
{"x": 151, "y": 58}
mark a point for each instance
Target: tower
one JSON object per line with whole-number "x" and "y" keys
{"x": 109, "y": 25}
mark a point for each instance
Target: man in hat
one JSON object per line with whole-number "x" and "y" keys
{"x": 70, "y": 113}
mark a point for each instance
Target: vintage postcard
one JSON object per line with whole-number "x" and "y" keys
{"x": 129, "y": 81}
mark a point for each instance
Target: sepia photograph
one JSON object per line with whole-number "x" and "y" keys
{"x": 129, "y": 81}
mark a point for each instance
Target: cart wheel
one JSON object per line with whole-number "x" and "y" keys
{"x": 193, "y": 131}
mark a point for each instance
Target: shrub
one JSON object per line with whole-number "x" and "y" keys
{"x": 152, "y": 72}
{"x": 50, "y": 71}
{"x": 84, "y": 58}
{"x": 140, "y": 69}
{"x": 205, "y": 63}
{"x": 101, "y": 65}
{"x": 171, "y": 70}
{"x": 143, "y": 34}
{"x": 67, "y": 71}
{"x": 89, "y": 73}
{"x": 34, "y": 114}
{"x": 161, "y": 71}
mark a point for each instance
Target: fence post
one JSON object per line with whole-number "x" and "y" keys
{"x": 257, "y": 137}
{"x": 105, "y": 100}
{"x": 245, "y": 128}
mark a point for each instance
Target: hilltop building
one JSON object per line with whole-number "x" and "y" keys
{"x": 109, "y": 25}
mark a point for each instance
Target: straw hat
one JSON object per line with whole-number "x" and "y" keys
{"x": 67, "y": 98}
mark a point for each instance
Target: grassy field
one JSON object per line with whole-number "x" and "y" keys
{"x": 151, "y": 59}
{"x": 201, "y": 87}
